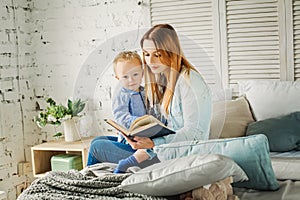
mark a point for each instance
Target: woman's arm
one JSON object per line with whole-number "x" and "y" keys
{"x": 190, "y": 114}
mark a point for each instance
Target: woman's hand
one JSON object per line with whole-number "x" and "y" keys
{"x": 140, "y": 142}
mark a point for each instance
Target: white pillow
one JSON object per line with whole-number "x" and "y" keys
{"x": 180, "y": 175}
{"x": 270, "y": 98}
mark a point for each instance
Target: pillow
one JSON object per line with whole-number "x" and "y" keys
{"x": 180, "y": 175}
{"x": 251, "y": 153}
{"x": 271, "y": 98}
{"x": 230, "y": 118}
{"x": 282, "y": 132}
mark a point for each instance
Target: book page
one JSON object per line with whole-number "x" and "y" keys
{"x": 117, "y": 126}
{"x": 143, "y": 121}
{"x": 145, "y": 126}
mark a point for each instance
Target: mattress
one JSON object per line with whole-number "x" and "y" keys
{"x": 286, "y": 165}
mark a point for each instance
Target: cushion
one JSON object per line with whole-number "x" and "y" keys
{"x": 269, "y": 98}
{"x": 230, "y": 118}
{"x": 180, "y": 175}
{"x": 251, "y": 153}
{"x": 282, "y": 132}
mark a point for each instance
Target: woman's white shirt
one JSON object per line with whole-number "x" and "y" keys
{"x": 189, "y": 111}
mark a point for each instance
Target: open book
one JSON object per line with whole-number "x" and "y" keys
{"x": 145, "y": 126}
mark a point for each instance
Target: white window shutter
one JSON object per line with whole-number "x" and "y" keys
{"x": 252, "y": 40}
{"x": 193, "y": 21}
{"x": 245, "y": 39}
{"x": 296, "y": 31}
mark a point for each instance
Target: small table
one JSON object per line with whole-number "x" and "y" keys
{"x": 42, "y": 153}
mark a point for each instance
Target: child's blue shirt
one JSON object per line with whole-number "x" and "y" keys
{"x": 128, "y": 105}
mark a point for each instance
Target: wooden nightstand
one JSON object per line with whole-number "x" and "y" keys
{"x": 41, "y": 154}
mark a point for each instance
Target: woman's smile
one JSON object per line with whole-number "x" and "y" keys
{"x": 154, "y": 67}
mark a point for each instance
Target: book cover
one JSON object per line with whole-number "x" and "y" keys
{"x": 145, "y": 126}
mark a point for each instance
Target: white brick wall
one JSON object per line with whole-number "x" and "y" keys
{"x": 44, "y": 47}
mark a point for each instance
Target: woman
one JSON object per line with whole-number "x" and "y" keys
{"x": 174, "y": 84}
{"x": 174, "y": 90}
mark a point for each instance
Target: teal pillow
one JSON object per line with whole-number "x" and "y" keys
{"x": 282, "y": 132}
{"x": 251, "y": 153}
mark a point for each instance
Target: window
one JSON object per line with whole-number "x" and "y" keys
{"x": 296, "y": 34}
{"x": 244, "y": 39}
{"x": 193, "y": 21}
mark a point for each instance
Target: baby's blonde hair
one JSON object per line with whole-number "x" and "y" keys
{"x": 126, "y": 56}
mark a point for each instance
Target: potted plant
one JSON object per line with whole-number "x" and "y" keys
{"x": 57, "y": 114}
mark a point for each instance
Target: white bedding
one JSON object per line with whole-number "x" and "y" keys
{"x": 289, "y": 190}
{"x": 286, "y": 165}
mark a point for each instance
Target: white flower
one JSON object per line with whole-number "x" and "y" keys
{"x": 51, "y": 118}
{"x": 66, "y": 117}
{"x": 39, "y": 124}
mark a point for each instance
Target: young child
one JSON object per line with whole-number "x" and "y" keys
{"x": 128, "y": 103}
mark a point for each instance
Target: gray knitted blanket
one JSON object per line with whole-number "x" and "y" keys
{"x": 75, "y": 185}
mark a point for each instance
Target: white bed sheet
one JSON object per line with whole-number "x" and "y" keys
{"x": 286, "y": 165}
{"x": 289, "y": 190}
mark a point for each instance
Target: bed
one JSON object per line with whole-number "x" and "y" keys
{"x": 273, "y": 174}
{"x": 87, "y": 184}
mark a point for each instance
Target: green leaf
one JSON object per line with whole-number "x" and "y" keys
{"x": 55, "y": 114}
{"x": 51, "y": 102}
{"x": 78, "y": 106}
{"x": 70, "y": 105}
{"x": 58, "y": 134}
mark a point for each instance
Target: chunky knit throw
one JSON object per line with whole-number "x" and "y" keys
{"x": 78, "y": 186}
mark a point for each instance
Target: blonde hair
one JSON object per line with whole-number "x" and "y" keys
{"x": 158, "y": 88}
{"x": 126, "y": 56}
